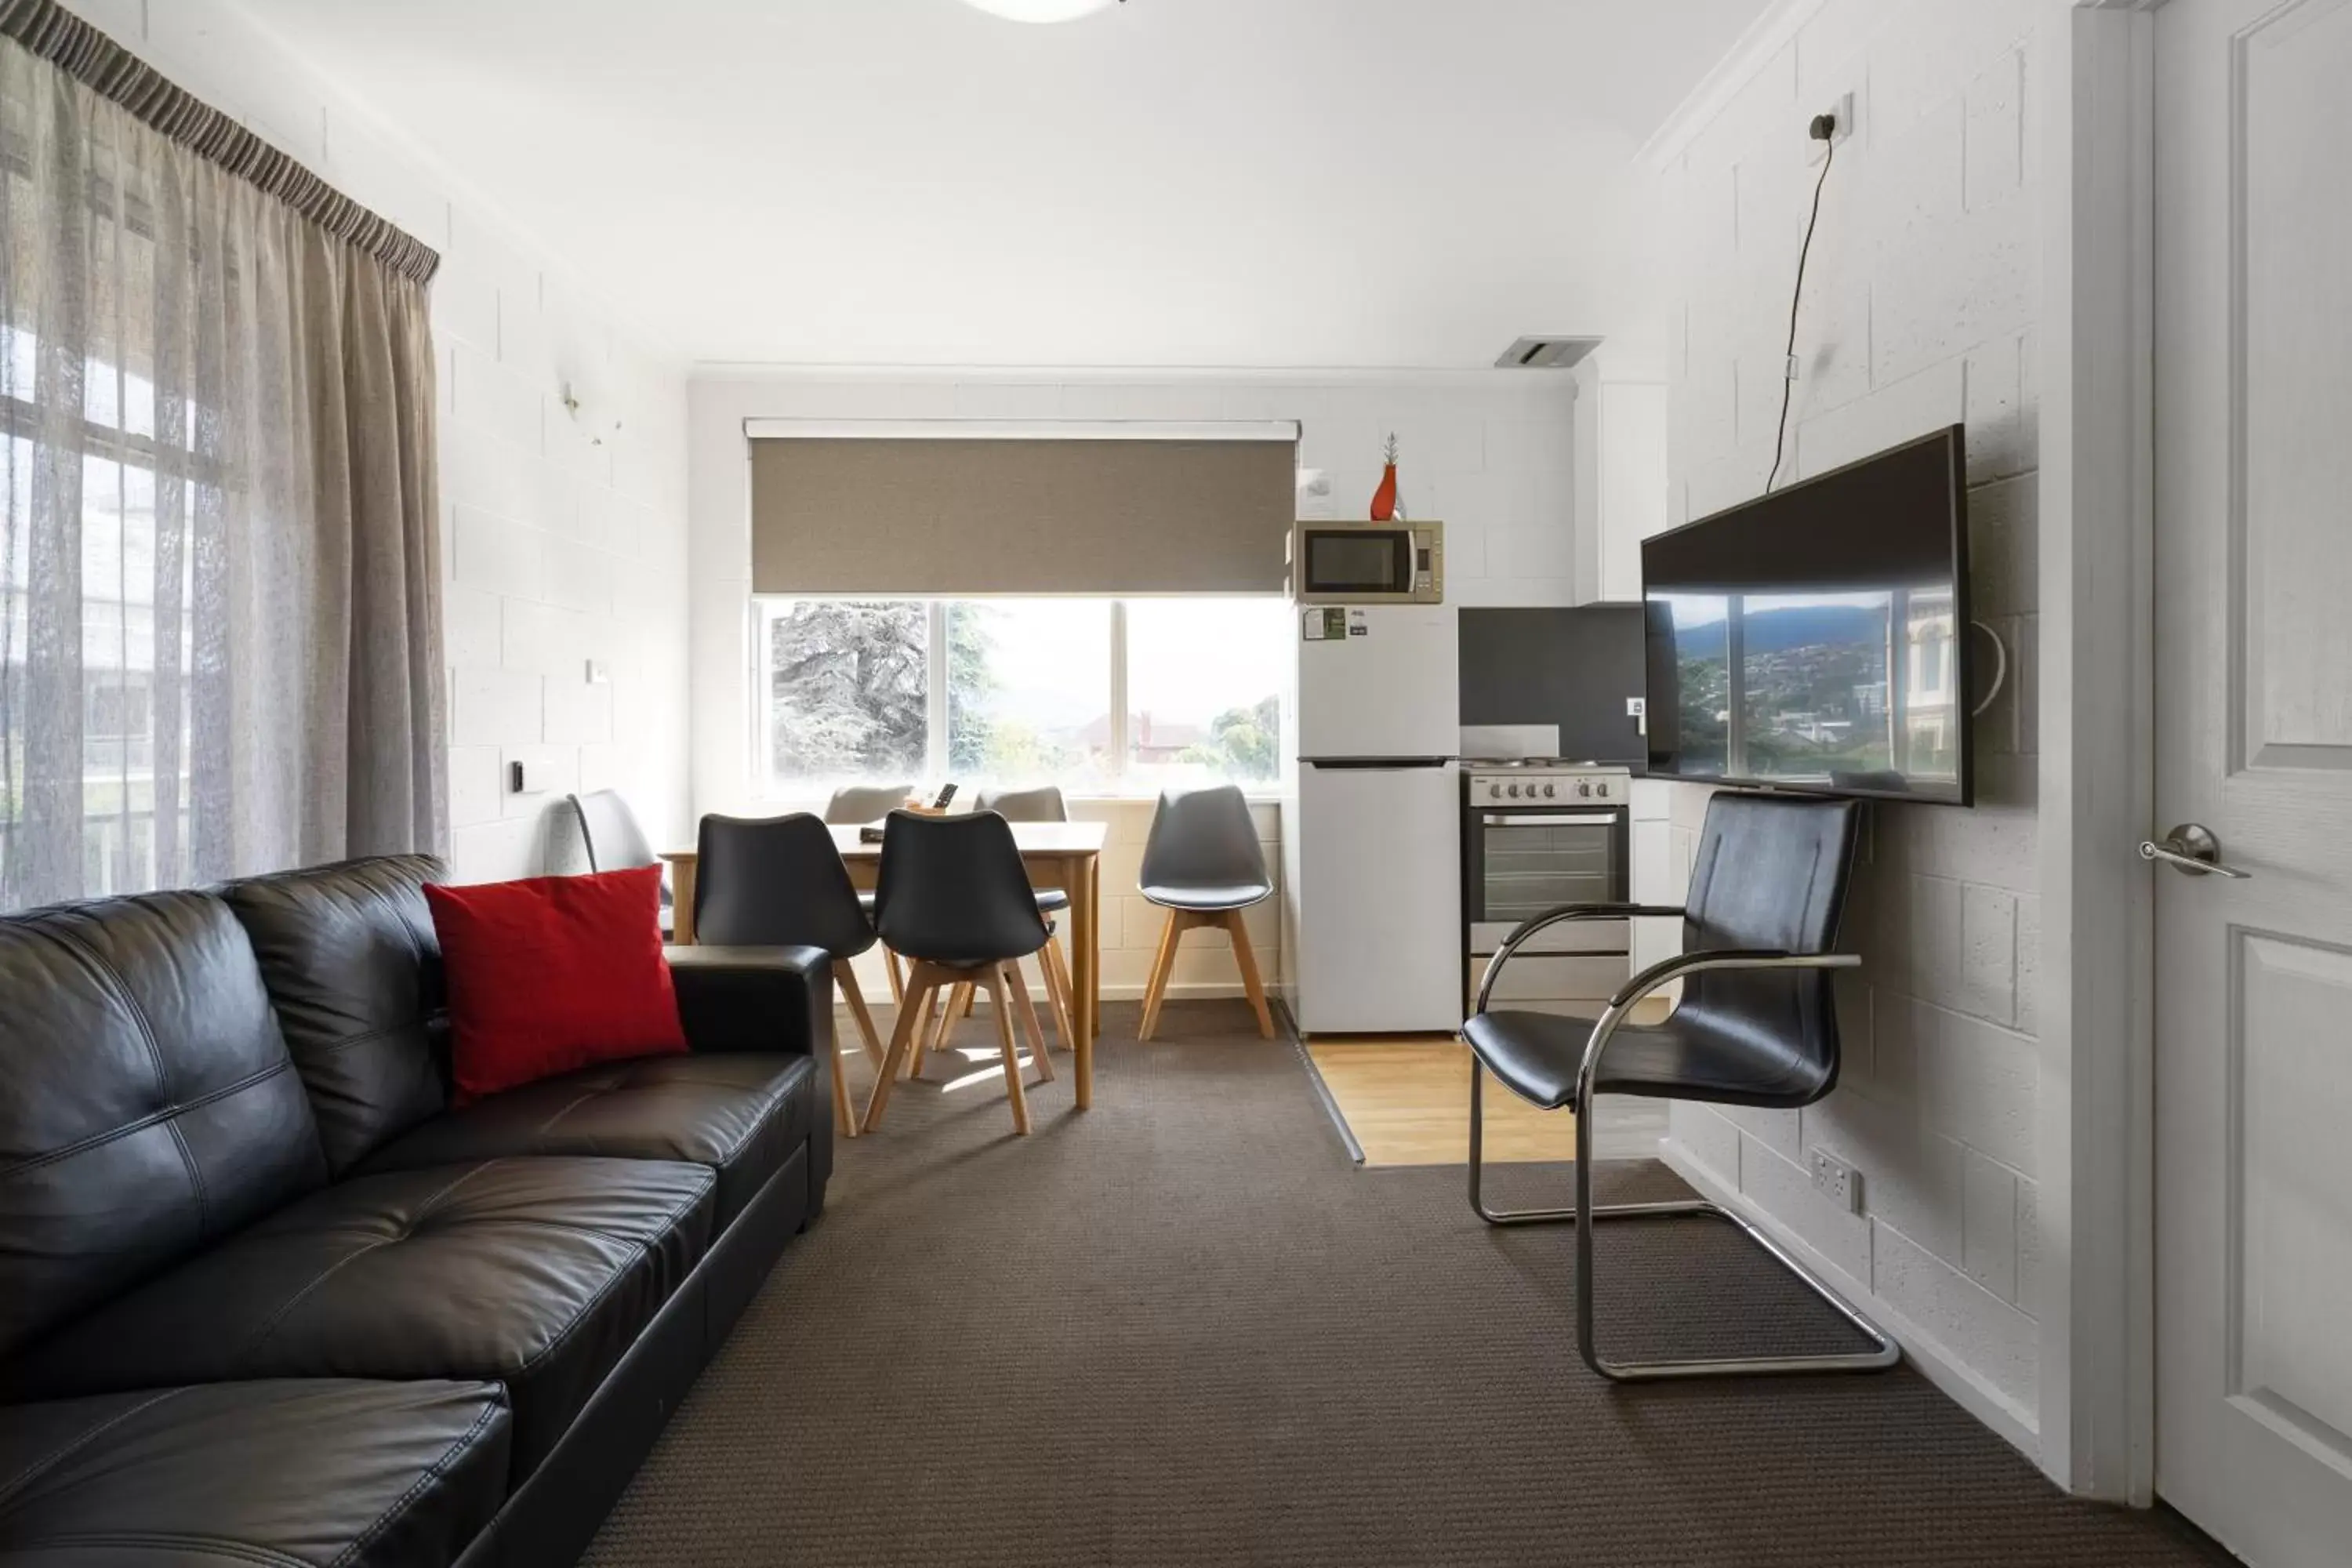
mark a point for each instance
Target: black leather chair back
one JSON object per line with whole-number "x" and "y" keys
{"x": 954, "y": 890}
{"x": 148, "y": 1106}
{"x": 775, "y": 881}
{"x": 1771, "y": 873}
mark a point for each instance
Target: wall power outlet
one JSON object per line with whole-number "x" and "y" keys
{"x": 1840, "y": 111}
{"x": 1835, "y": 1180}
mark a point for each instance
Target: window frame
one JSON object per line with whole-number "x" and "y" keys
{"x": 764, "y": 609}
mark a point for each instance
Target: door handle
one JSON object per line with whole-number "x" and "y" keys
{"x": 2193, "y": 851}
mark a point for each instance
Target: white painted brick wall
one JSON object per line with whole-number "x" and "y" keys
{"x": 1918, "y": 312}
{"x": 556, "y": 548}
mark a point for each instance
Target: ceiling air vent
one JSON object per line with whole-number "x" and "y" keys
{"x": 1546, "y": 353}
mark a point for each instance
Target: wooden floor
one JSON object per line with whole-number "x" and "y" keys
{"x": 1407, "y": 1100}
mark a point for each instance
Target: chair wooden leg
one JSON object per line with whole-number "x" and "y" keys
{"x": 1058, "y": 994}
{"x": 1013, "y": 1090}
{"x": 953, "y": 1002}
{"x": 1245, "y": 956}
{"x": 962, "y": 1000}
{"x": 921, "y": 985}
{"x": 1019, "y": 985}
{"x": 897, "y": 982}
{"x": 1156, "y": 990}
{"x": 845, "y": 1125}
{"x": 846, "y": 978}
{"x": 932, "y": 1032}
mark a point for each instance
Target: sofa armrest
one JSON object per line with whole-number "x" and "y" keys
{"x": 755, "y": 998}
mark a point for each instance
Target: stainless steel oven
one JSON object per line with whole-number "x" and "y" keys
{"x": 1534, "y": 837}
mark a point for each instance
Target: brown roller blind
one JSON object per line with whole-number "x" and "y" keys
{"x": 947, "y": 515}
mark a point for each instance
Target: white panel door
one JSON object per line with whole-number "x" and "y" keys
{"x": 2254, "y": 638}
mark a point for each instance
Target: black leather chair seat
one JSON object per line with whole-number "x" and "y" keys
{"x": 536, "y": 1273}
{"x": 1536, "y": 1056}
{"x": 741, "y": 1114}
{"x": 310, "y": 1471}
{"x": 1233, "y": 896}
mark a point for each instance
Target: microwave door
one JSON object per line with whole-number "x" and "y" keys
{"x": 1358, "y": 562}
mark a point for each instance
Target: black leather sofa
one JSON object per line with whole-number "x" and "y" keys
{"x": 265, "y": 1297}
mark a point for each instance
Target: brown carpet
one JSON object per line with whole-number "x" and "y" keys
{"x": 1183, "y": 1328}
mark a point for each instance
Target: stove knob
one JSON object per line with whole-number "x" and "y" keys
{"x": 1549, "y": 791}
{"x": 1515, "y": 792}
{"x": 1494, "y": 790}
{"x": 1584, "y": 789}
{"x": 1602, "y": 789}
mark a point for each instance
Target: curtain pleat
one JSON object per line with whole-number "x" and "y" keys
{"x": 219, "y": 568}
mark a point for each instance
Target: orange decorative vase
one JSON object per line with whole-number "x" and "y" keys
{"x": 1384, "y": 500}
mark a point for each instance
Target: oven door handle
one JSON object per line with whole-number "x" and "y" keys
{"x": 1550, "y": 819}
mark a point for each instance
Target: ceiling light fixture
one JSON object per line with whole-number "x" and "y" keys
{"x": 1039, "y": 10}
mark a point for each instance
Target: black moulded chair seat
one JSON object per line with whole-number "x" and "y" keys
{"x": 1756, "y": 1025}
{"x": 953, "y": 898}
{"x": 614, "y": 841}
{"x": 777, "y": 881}
{"x": 1202, "y": 864}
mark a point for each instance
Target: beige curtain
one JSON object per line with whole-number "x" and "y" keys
{"x": 220, "y": 581}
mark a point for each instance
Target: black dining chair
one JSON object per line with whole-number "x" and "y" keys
{"x": 613, "y": 840}
{"x": 1043, "y": 804}
{"x": 956, "y": 903}
{"x": 1203, "y": 866}
{"x": 854, "y": 806}
{"x": 1756, "y": 1025}
{"x": 777, "y": 881}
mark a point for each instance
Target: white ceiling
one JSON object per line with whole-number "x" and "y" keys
{"x": 1323, "y": 183}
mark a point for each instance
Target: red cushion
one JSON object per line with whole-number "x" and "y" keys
{"x": 552, "y": 974}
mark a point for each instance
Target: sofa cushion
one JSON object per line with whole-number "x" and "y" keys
{"x": 324, "y": 1472}
{"x": 348, "y": 956}
{"x": 147, "y": 1104}
{"x": 740, "y": 1114}
{"x": 536, "y": 1273}
{"x": 548, "y": 975}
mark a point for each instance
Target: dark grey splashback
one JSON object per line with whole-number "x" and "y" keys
{"x": 1572, "y": 667}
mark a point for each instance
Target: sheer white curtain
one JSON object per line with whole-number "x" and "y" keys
{"x": 220, "y": 584}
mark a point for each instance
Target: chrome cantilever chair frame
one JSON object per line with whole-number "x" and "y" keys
{"x": 1885, "y": 1352}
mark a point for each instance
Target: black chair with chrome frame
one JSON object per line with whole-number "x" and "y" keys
{"x": 1756, "y": 1025}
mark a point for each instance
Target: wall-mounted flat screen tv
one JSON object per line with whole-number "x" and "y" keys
{"x": 1816, "y": 639}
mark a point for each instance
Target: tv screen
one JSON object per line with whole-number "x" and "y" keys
{"x": 1816, "y": 639}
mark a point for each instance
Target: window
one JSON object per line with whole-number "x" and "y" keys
{"x": 1204, "y": 689}
{"x": 1029, "y": 691}
{"x": 848, "y": 690}
{"x": 1013, "y": 691}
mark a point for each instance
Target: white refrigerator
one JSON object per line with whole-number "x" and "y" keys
{"x": 1372, "y": 847}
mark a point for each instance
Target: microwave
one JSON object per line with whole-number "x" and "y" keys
{"x": 1368, "y": 563}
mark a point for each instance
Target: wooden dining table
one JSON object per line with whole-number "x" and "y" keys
{"x": 1066, "y": 855}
